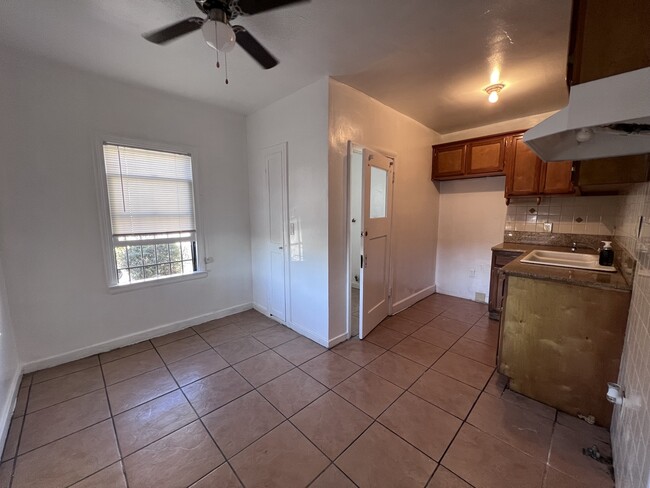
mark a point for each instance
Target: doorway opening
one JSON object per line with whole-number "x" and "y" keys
{"x": 370, "y": 189}
{"x": 354, "y": 222}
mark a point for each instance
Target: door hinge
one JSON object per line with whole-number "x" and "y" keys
{"x": 365, "y": 261}
{"x": 390, "y": 292}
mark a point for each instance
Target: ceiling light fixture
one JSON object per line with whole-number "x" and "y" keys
{"x": 493, "y": 92}
{"x": 219, "y": 35}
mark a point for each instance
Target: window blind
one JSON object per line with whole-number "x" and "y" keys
{"x": 149, "y": 191}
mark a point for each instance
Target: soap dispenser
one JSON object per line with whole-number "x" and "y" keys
{"x": 606, "y": 254}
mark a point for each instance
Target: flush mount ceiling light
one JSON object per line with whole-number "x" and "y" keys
{"x": 493, "y": 92}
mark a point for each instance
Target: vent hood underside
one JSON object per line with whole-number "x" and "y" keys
{"x": 604, "y": 118}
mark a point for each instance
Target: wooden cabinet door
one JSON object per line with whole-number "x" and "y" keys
{"x": 523, "y": 169}
{"x": 448, "y": 161}
{"x": 608, "y": 38}
{"x": 497, "y": 281}
{"x": 486, "y": 156}
{"x": 557, "y": 178}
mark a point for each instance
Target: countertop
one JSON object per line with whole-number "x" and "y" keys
{"x": 580, "y": 277}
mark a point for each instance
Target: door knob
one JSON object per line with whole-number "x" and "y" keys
{"x": 280, "y": 247}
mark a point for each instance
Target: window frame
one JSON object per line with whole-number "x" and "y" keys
{"x": 108, "y": 249}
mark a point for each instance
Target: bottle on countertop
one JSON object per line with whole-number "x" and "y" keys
{"x": 606, "y": 257}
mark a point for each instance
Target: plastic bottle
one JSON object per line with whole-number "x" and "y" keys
{"x": 606, "y": 257}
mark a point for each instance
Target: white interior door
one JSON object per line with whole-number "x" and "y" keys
{"x": 377, "y": 200}
{"x": 276, "y": 171}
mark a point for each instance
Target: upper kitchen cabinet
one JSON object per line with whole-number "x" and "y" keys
{"x": 471, "y": 158}
{"x": 607, "y": 38}
{"x": 527, "y": 175}
{"x": 448, "y": 161}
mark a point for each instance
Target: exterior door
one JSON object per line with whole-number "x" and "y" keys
{"x": 276, "y": 171}
{"x": 375, "y": 242}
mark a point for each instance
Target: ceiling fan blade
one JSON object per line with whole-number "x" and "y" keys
{"x": 250, "y": 7}
{"x": 254, "y": 48}
{"x": 171, "y": 32}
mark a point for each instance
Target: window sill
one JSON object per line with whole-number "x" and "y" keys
{"x": 113, "y": 289}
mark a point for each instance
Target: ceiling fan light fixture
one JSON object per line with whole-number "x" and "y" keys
{"x": 493, "y": 92}
{"x": 218, "y": 35}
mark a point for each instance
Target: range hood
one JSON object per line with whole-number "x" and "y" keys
{"x": 604, "y": 118}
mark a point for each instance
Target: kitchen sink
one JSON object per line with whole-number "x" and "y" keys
{"x": 566, "y": 260}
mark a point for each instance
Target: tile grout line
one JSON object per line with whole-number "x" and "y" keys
{"x": 200, "y": 419}
{"x": 20, "y": 436}
{"x": 117, "y": 441}
{"x": 463, "y": 421}
{"x": 298, "y": 366}
{"x": 104, "y": 388}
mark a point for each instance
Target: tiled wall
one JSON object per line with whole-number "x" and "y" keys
{"x": 569, "y": 215}
{"x": 631, "y": 423}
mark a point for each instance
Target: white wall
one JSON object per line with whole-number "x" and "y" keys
{"x": 472, "y": 219}
{"x": 472, "y": 216}
{"x": 9, "y": 365}
{"x": 9, "y": 362}
{"x": 363, "y": 120}
{"x": 300, "y": 120}
{"x": 50, "y": 236}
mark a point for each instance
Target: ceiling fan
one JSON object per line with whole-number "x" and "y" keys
{"x": 217, "y": 30}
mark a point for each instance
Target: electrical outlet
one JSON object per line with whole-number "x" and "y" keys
{"x": 472, "y": 273}
{"x": 548, "y": 227}
{"x": 479, "y": 297}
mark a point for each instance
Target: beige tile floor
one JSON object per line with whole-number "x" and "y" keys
{"x": 242, "y": 401}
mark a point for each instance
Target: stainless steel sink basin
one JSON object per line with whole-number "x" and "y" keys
{"x": 566, "y": 260}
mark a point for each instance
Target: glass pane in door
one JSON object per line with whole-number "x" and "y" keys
{"x": 378, "y": 193}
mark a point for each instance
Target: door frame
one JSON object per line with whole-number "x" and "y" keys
{"x": 283, "y": 149}
{"x": 348, "y": 279}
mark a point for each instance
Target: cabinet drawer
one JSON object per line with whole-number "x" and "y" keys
{"x": 503, "y": 258}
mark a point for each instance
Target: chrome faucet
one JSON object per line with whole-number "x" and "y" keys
{"x": 574, "y": 247}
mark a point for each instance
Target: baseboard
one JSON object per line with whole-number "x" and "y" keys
{"x": 9, "y": 404}
{"x": 308, "y": 334}
{"x": 412, "y": 299}
{"x": 455, "y": 294}
{"x": 132, "y": 338}
{"x": 338, "y": 339}
{"x": 261, "y": 309}
{"x": 295, "y": 327}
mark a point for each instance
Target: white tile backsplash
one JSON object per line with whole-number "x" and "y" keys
{"x": 594, "y": 215}
{"x": 631, "y": 421}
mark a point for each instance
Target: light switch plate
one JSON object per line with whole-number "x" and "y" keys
{"x": 548, "y": 227}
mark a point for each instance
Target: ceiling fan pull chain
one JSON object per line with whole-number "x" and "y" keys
{"x": 225, "y": 60}
{"x": 216, "y": 36}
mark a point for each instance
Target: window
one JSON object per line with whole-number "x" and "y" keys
{"x": 152, "y": 218}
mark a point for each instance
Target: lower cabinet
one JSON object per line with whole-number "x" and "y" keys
{"x": 497, "y": 281}
{"x": 561, "y": 343}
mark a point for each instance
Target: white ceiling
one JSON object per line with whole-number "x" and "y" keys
{"x": 429, "y": 59}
